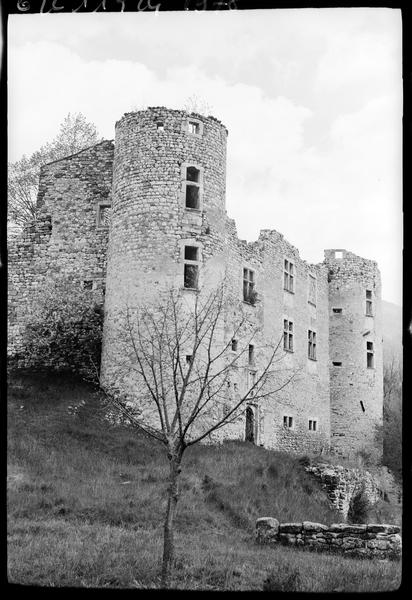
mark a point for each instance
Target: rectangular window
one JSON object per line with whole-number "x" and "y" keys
{"x": 369, "y": 355}
{"x": 248, "y": 285}
{"x": 251, "y": 354}
{"x": 192, "y": 187}
{"x": 311, "y": 344}
{"x": 288, "y": 422}
{"x": 234, "y": 345}
{"x": 192, "y": 174}
{"x": 287, "y": 335}
{"x": 289, "y": 276}
{"x": 312, "y": 290}
{"x": 103, "y": 215}
{"x": 191, "y": 253}
{"x": 192, "y": 196}
{"x": 160, "y": 126}
{"x": 313, "y": 425}
{"x": 369, "y": 312}
{"x": 193, "y": 127}
{"x": 336, "y": 363}
{"x": 337, "y": 311}
{"x": 188, "y": 358}
{"x": 191, "y": 267}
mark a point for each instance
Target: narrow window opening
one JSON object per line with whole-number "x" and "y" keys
{"x": 289, "y": 276}
{"x": 337, "y": 311}
{"x": 192, "y": 196}
{"x": 191, "y": 276}
{"x": 369, "y": 355}
{"x": 191, "y": 267}
{"x": 234, "y": 345}
{"x": 192, "y": 174}
{"x": 248, "y": 285}
{"x": 336, "y": 363}
{"x": 369, "y": 312}
{"x": 288, "y": 335}
{"x": 251, "y": 354}
{"x": 103, "y": 215}
{"x": 160, "y": 126}
{"x": 288, "y": 422}
{"x": 188, "y": 358}
{"x": 311, "y": 344}
{"x": 194, "y": 127}
{"x": 312, "y": 290}
{"x": 88, "y": 285}
{"x": 191, "y": 252}
{"x": 362, "y": 406}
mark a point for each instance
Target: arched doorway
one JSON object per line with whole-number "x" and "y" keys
{"x": 250, "y": 425}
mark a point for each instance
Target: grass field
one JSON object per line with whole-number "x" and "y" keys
{"x": 86, "y": 501}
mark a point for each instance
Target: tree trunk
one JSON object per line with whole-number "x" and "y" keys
{"x": 168, "y": 539}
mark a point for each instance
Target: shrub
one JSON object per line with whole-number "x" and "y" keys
{"x": 359, "y": 508}
{"x": 305, "y": 461}
{"x": 65, "y": 330}
{"x": 286, "y": 580}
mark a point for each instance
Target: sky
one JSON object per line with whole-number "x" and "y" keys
{"x": 312, "y": 99}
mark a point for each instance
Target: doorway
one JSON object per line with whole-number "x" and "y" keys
{"x": 250, "y": 425}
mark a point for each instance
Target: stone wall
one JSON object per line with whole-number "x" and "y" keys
{"x": 66, "y": 244}
{"x": 150, "y": 227}
{"x": 343, "y": 484}
{"x": 376, "y": 541}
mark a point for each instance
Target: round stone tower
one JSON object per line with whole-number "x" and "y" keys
{"x": 355, "y": 347}
{"x": 168, "y": 211}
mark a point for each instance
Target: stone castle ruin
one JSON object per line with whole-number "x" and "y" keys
{"x": 149, "y": 211}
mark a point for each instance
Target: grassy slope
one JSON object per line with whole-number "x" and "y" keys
{"x": 86, "y": 503}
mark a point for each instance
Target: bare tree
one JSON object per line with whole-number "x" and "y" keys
{"x": 195, "y": 104}
{"x": 183, "y": 360}
{"x": 75, "y": 134}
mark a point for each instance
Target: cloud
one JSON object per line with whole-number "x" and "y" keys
{"x": 338, "y": 187}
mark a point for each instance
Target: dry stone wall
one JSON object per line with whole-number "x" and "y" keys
{"x": 374, "y": 541}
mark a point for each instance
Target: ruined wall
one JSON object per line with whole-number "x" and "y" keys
{"x": 66, "y": 244}
{"x": 374, "y": 541}
{"x": 342, "y": 485}
{"x": 356, "y": 388}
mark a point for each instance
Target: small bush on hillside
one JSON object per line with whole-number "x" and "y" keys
{"x": 286, "y": 580}
{"x": 305, "y": 461}
{"x": 359, "y": 508}
{"x": 64, "y": 331}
